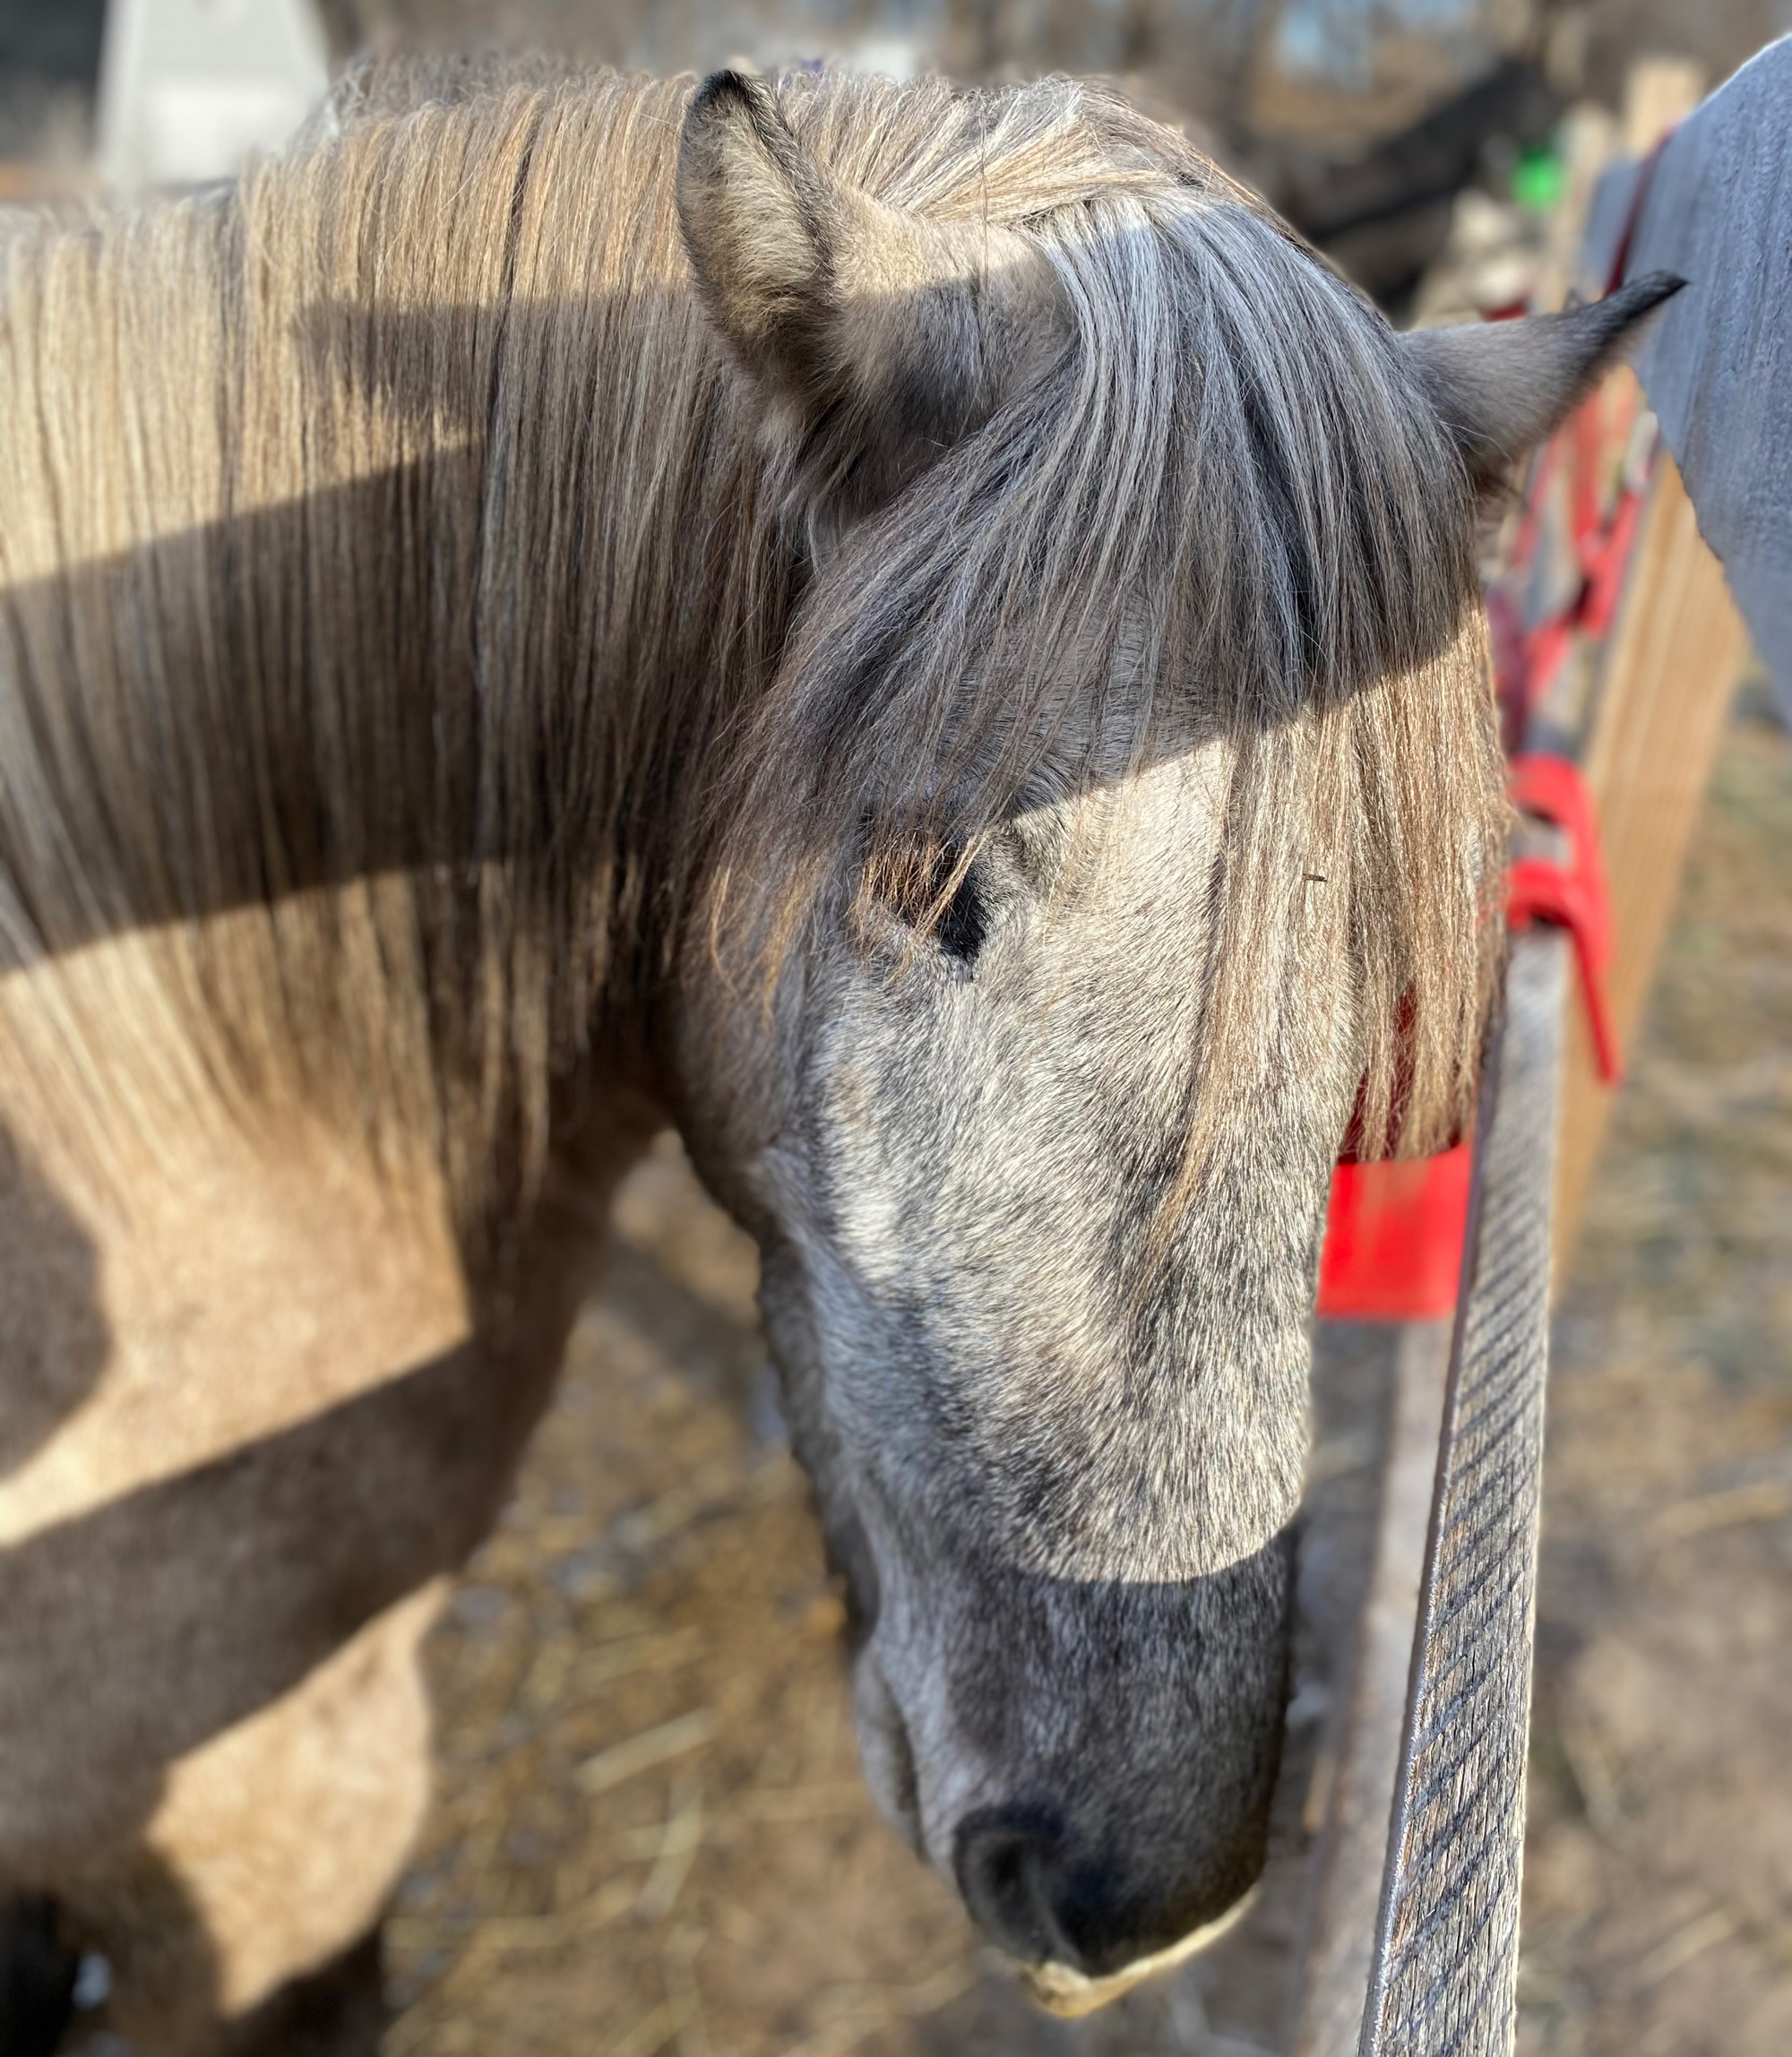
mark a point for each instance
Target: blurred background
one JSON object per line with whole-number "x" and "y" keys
{"x": 1368, "y": 122}
{"x": 651, "y": 1835}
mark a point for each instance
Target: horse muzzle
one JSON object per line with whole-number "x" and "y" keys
{"x": 1078, "y": 1931}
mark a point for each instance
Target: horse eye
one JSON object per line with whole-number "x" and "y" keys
{"x": 961, "y": 925}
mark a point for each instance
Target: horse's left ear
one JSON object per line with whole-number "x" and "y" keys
{"x": 1500, "y": 387}
{"x": 880, "y": 337}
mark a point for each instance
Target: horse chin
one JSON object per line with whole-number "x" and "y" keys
{"x": 1061, "y": 1990}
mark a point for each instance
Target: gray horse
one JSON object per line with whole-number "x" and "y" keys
{"x": 919, "y": 636}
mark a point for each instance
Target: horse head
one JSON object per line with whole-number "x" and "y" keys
{"x": 1126, "y": 810}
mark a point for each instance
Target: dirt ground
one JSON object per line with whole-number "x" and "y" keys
{"x": 1658, "y": 1868}
{"x": 652, "y": 1832}
{"x": 652, "y": 1836}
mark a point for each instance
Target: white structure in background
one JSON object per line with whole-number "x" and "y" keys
{"x": 885, "y": 56}
{"x": 189, "y": 88}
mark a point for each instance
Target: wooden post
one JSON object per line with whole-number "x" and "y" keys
{"x": 1675, "y": 657}
{"x": 1345, "y": 1889}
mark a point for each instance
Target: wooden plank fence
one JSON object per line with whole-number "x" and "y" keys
{"x": 1677, "y": 653}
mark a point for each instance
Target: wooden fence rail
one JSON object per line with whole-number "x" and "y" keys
{"x": 1445, "y": 1964}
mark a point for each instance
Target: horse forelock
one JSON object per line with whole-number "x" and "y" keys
{"x": 1225, "y": 510}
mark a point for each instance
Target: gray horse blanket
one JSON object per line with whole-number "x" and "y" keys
{"x": 1718, "y": 364}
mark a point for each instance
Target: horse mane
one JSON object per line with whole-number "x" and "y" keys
{"x": 369, "y": 525}
{"x": 354, "y": 660}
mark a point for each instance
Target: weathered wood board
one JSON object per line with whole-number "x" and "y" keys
{"x": 1346, "y": 1888}
{"x": 1445, "y": 1961}
{"x": 1676, "y": 654}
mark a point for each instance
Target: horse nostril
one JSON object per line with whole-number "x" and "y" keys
{"x": 1006, "y": 1861}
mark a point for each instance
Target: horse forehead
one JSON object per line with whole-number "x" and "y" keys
{"x": 1159, "y": 808}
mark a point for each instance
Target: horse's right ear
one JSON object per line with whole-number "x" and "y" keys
{"x": 880, "y": 337}
{"x": 1500, "y": 387}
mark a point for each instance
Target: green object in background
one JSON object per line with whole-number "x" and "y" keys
{"x": 1540, "y": 179}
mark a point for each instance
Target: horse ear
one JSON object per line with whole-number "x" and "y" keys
{"x": 1500, "y": 387}
{"x": 880, "y": 337}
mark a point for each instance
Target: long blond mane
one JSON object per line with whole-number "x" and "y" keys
{"x": 361, "y": 525}
{"x": 391, "y": 578}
